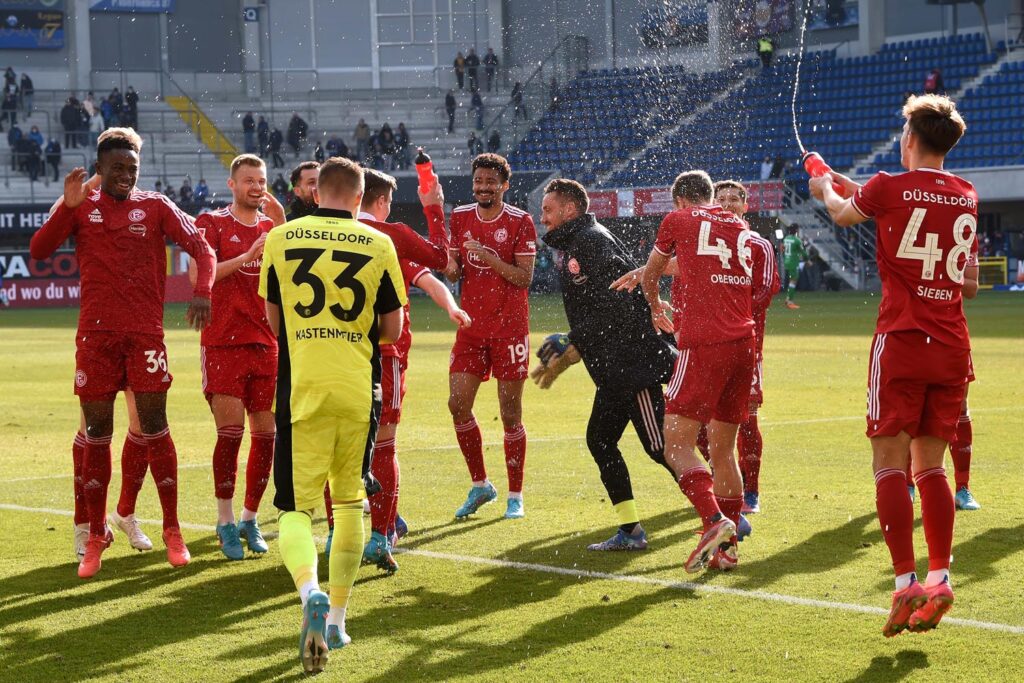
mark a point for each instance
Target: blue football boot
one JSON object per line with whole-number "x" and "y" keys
{"x": 478, "y": 497}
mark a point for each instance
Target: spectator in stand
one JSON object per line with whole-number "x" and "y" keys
{"x": 34, "y": 161}
{"x": 95, "y": 128}
{"x": 386, "y": 141}
{"x": 494, "y": 142}
{"x": 14, "y": 135}
{"x": 473, "y": 69}
{"x": 778, "y": 167}
{"x": 53, "y": 157}
{"x": 22, "y": 148}
{"x": 449, "y": 106}
{"x": 131, "y": 105}
{"x": 474, "y": 144}
{"x": 765, "y": 50}
{"x": 158, "y": 186}
{"x": 117, "y": 103}
{"x": 766, "y": 168}
{"x": 10, "y": 79}
{"x": 35, "y": 136}
{"x": 185, "y": 194}
{"x": 476, "y": 106}
{"x": 490, "y": 67}
{"x": 249, "y": 133}
{"x": 107, "y": 111}
{"x": 517, "y": 100}
{"x": 89, "y": 104}
{"x": 298, "y": 129}
{"x": 933, "y": 84}
{"x": 28, "y": 91}
{"x": 201, "y": 193}
{"x": 262, "y": 137}
{"x": 280, "y": 189}
{"x": 402, "y": 146}
{"x": 318, "y": 153}
{"x": 336, "y": 147}
{"x": 10, "y": 107}
{"x": 362, "y": 138}
{"x": 460, "y": 69}
{"x": 83, "y": 125}
{"x": 276, "y": 140}
{"x": 170, "y": 193}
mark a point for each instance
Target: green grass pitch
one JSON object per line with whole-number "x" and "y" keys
{"x": 490, "y": 599}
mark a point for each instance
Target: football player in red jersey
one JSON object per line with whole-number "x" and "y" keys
{"x": 712, "y": 379}
{"x": 494, "y": 252}
{"x": 239, "y": 352}
{"x": 120, "y": 240}
{"x": 416, "y": 257}
{"x": 926, "y": 220}
{"x": 731, "y": 195}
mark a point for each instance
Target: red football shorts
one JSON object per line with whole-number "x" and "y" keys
{"x": 504, "y": 357}
{"x": 392, "y": 384}
{"x": 713, "y": 382}
{"x": 109, "y": 362}
{"x": 756, "y": 384}
{"x": 247, "y": 372}
{"x": 915, "y": 385}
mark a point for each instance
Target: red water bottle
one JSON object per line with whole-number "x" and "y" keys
{"x": 816, "y": 167}
{"x": 424, "y": 170}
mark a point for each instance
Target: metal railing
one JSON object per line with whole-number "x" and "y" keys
{"x": 1013, "y": 31}
{"x": 12, "y": 165}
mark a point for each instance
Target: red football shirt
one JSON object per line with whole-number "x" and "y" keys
{"x": 415, "y": 256}
{"x": 498, "y": 308}
{"x": 713, "y": 293}
{"x": 764, "y": 273}
{"x": 239, "y": 315}
{"x": 925, "y": 237}
{"x": 122, "y": 257}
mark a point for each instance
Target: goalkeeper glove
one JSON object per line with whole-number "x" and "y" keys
{"x": 545, "y": 373}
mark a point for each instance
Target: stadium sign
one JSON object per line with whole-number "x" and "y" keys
{"x": 22, "y": 218}
{"x": 31, "y": 29}
{"x": 657, "y": 201}
{"x": 149, "y": 6}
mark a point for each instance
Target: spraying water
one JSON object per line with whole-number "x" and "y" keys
{"x": 796, "y": 83}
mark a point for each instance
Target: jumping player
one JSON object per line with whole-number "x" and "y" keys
{"x": 712, "y": 378}
{"x": 120, "y": 235}
{"x": 494, "y": 257}
{"x": 239, "y": 352}
{"x": 416, "y": 256}
{"x": 920, "y": 358}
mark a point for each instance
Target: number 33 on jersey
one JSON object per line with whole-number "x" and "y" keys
{"x": 926, "y": 225}
{"x": 331, "y": 277}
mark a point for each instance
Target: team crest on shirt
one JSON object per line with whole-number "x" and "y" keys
{"x": 501, "y": 235}
{"x": 137, "y": 229}
{"x": 575, "y": 271}
{"x": 80, "y": 378}
{"x": 137, "y": 215}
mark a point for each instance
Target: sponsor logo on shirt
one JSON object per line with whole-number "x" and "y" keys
{"x": 95, "y": 216}
{"x": 137, "y": 215}
{"x": 137, "y": 229}
{"x": 478, "y": 262}
{"x": 500, "y": 235}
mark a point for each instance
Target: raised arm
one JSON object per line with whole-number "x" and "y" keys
{"x": 842, "y": 211}
{"x": 60, "y": 224}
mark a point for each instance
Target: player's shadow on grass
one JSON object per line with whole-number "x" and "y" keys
{"x": 121, "y": 576}
{"x": 822, "y": 552}
{"x": 112, "y": 647}
{"x": 895, "y": 668}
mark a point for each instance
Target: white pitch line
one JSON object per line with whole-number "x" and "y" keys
{"x": 606, "y": 576}
{"x": 553, "y": 439}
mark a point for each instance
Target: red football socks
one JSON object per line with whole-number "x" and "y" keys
{"x": 697, "y": 485}
{"x": 750, "y": 446}
{"x": 257, "y": 470}
{"x": 960, "y": 449}
{"x": 225, "y": 460}
{"x": 163, "y": 463}
{"x": 78, "y": 461}
{"x": 385, "y": 470}
{"x": 96, "y": 479}
{"x": 472, "y": 445}
{"x": 515, "y": 457}
{"x": 937, "y": 514}
{"x": 896, "y": 516}
{"x": 134, "y": 464}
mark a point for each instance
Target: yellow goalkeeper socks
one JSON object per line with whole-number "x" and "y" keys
{"x": 627, "y": 514}
{"x": 346, "y": 551}
{"x": 298, "y": 550}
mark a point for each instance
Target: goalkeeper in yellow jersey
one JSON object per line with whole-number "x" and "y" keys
{"x": 334, "y": 292}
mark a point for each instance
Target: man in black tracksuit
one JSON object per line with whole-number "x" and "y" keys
{"x": 612, "y": 332}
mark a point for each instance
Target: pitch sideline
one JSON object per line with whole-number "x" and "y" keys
{"x": 606, "y": 576}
